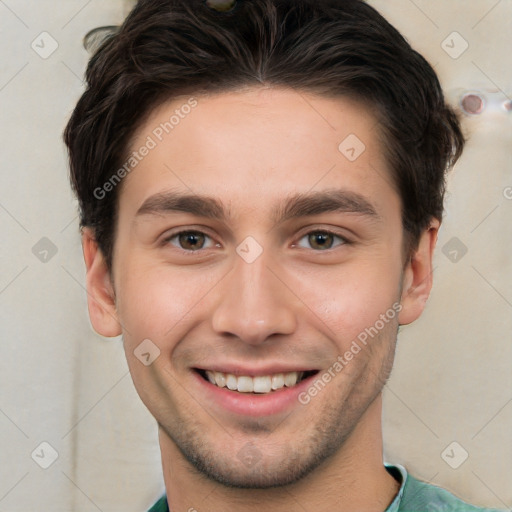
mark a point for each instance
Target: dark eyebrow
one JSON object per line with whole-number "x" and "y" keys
{"x": 325, "y": 201}
{"x": 294, "y": 206}
{"x": 168, "y": 202}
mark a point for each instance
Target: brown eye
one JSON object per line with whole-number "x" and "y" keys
{"x": 320, "y": 240}
{"x": 191, "y": 240}
{"x": 323, "y": 240}
{"x": 188, "y": 240}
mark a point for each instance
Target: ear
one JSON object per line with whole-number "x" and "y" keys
{"x": 100, "y": 292}
{"x": 417, "y": 277}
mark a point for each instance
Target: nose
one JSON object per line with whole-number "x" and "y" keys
{"x": 254, "y": 303}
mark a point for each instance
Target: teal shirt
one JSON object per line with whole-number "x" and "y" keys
{"x": 413, "y": 496}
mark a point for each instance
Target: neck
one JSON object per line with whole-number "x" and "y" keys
{"x": 354, "y": 478}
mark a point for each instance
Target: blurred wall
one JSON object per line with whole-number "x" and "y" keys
{"x": 75, "y": 436}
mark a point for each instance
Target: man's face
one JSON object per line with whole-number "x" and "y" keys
{"x": 256, "y": 292}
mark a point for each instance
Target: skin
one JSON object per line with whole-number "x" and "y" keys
{"x": 298, "y": 302}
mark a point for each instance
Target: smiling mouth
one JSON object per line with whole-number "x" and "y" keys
{"x": 259, "y": 384}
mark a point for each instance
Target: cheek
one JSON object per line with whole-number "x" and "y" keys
{"x": 155, "y": 303}
{"x": 348, "y": 300}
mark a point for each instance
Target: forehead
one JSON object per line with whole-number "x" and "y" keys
{"x": 250, "y": 147}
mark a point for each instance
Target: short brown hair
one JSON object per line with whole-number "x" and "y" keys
{"x": 167, "y": 48}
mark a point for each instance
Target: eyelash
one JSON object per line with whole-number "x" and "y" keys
{"x": 343, "y": 239}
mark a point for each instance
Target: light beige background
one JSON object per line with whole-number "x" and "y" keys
{"x": 63, "y": 384}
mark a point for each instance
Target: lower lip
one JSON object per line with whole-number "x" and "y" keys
{"x": 253, "y": 404}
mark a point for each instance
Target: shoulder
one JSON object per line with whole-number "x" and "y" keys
{"x": 419, "y": 496}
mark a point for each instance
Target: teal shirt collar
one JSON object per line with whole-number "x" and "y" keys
{"x": 161, "y": 505}
{"x": 395, "y": 504}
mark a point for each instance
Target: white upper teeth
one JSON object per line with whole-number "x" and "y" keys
{"x": 246, "y": 384}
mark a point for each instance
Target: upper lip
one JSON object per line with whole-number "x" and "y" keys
{"x": 238, "y": 369}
